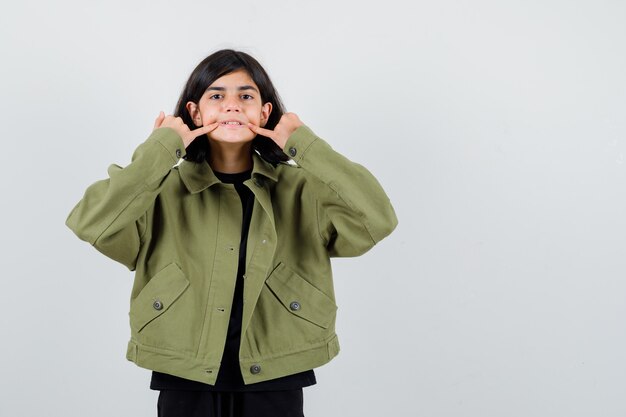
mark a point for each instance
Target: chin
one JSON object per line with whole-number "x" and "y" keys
{"x": 232, "y": 138}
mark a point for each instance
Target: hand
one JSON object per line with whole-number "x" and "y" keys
{"x": 181, "y": 128}
{"x": 288, "y": 123}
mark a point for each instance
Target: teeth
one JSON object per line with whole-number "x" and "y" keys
{"x": 231, "y": 123}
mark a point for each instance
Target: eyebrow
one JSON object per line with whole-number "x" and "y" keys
{"x": 241, "y": 88}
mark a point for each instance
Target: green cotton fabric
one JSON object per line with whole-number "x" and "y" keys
{"x": 179, "y": 228}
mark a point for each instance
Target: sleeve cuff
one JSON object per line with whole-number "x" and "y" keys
{"x": 299, "y": 142}
{"x": 169, "y": 139}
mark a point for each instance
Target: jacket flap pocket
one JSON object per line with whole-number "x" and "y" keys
{"x": 157, "y": 296}
{"x": 300, "y": 297}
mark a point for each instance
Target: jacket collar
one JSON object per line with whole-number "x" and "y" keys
{"x": 199, "y": 176}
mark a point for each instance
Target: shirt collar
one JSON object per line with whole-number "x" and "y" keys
{"x": 199, "y": 176}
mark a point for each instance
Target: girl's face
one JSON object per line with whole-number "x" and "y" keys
{"x": 234, "y": 101}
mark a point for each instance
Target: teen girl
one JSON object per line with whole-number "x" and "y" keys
{"x": 233, "y": 304}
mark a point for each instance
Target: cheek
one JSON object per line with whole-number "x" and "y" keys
{"x": 209, "y": 117}
{"x": 254, "y": 117}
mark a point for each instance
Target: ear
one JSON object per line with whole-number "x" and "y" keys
{"x": 266, "y": 110}
{"x": 194, "y": 112}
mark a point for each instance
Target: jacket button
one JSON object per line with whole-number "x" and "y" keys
{"x": 255, "y": 369}
{"x": 158, "y": 305}
{"x": 178, "y": 153}
{"x": 295, "y": 306}
{"x": 292, "y": 151}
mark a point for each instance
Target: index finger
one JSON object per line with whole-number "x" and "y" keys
{"x": 261, "y": 131}
{"x": 205, "y": 129}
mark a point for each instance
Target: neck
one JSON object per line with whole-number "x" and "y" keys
{"x": 230, "y": 158}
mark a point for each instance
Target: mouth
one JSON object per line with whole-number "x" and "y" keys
{"x": 231, "y": 123}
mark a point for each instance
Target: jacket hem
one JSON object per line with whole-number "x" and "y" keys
{"x": 174, "y": 363}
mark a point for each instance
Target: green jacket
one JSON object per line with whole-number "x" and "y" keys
{"x": 178, "y": 227}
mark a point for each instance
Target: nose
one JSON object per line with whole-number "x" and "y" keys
{"x": 231, "y": 105}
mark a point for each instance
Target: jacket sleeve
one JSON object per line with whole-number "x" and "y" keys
{"x": 354, "y": 212}
{"x": 112, "y": 213}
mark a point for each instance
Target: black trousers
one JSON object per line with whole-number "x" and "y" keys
{"x": 175, "y": 403}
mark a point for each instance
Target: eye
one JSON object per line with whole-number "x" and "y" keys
{"x": 215, "y": 97}
{"x": 247, "y": 97}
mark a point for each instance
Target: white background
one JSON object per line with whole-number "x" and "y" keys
{"x": 496, "y": 127}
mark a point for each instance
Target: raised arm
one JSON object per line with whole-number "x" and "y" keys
{"x": 354, "y": 212}
{"x": 111, "y": 214}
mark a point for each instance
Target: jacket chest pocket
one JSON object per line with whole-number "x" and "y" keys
{"x": 300, "y": 297}
{"x": 161, "y": 292}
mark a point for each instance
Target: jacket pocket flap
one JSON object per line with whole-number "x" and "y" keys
{"x": 157, "y": 296}
{"x": 300, "y": 297}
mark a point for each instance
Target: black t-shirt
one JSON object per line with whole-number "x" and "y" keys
{"x": 229, "y": 377}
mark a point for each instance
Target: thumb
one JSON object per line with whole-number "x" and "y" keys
{"x": 159, "y": 119}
